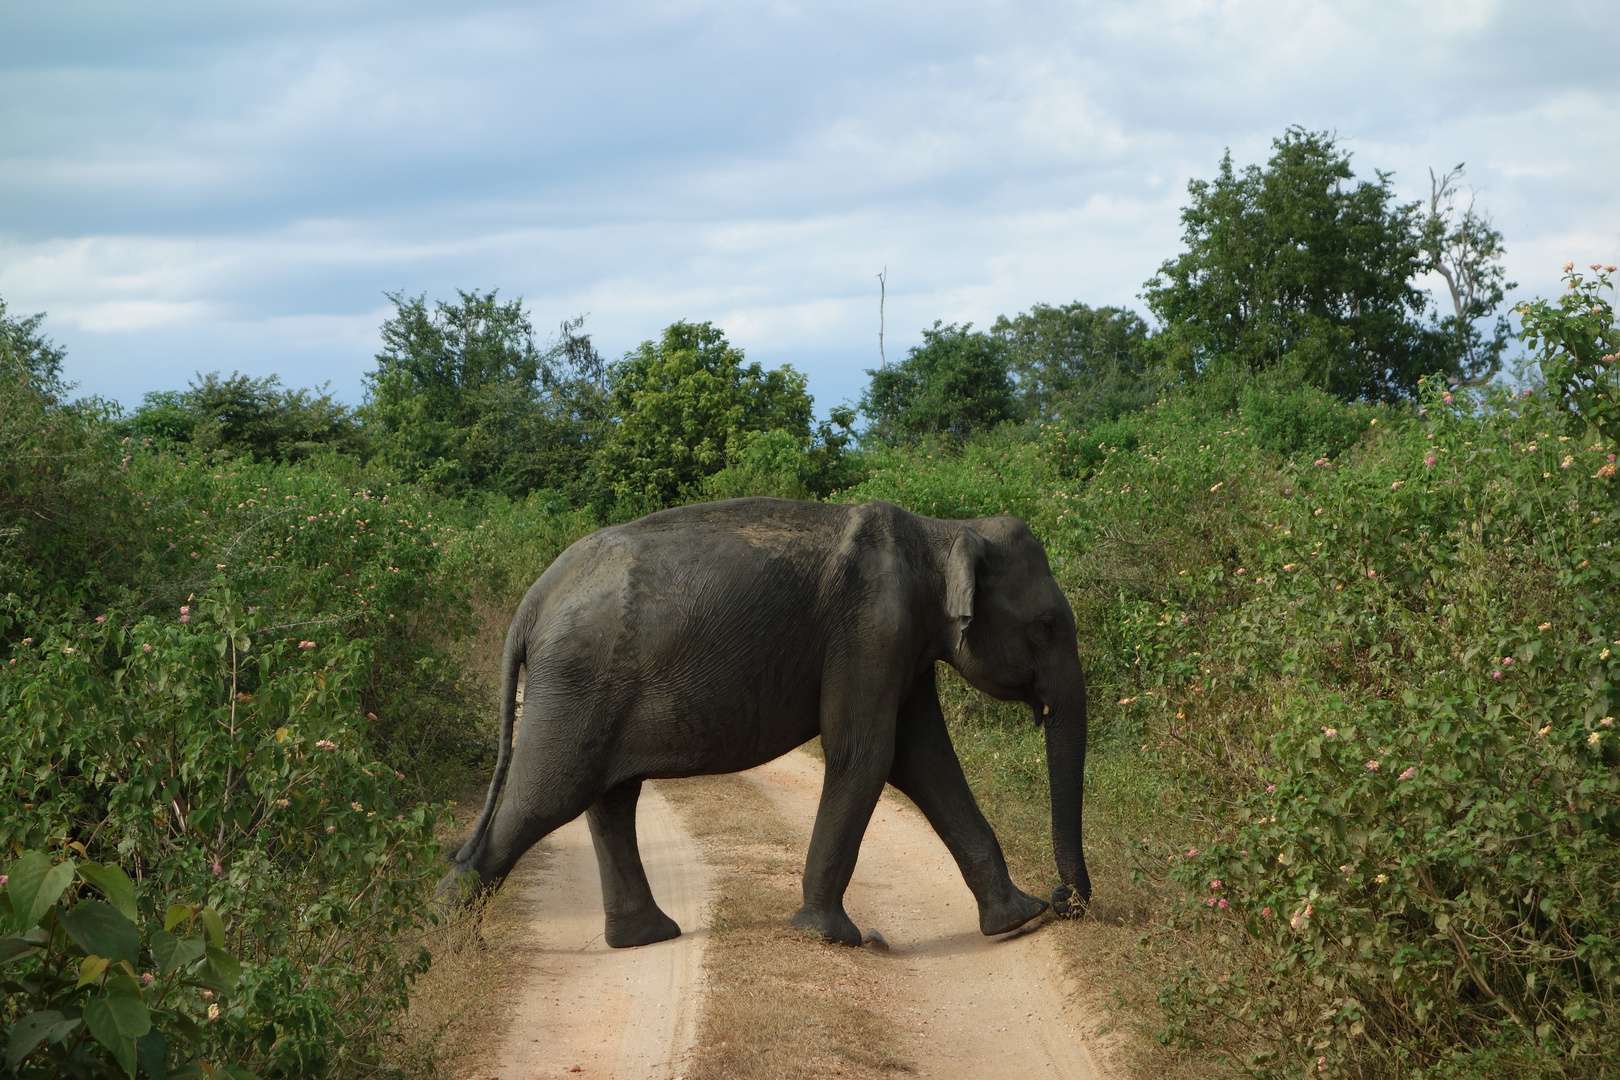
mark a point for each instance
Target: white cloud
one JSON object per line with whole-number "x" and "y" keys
{"x": 195, "y": 187}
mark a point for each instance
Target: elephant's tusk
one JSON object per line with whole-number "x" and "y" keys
{"x": 1046, "y": 710}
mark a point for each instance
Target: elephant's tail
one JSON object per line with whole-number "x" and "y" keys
{"x": 512, "y": 661}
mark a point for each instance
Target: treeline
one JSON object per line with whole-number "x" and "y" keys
{"x": 1295, "y": 274}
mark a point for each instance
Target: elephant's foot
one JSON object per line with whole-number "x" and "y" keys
{"x": 642, "y": 928}
{"x": 1009, "y": 913}
{"x": 834, "y": 925}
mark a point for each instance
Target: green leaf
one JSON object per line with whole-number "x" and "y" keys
{"x": 214, "y": 926}
{"x": 221, "y": 971}
{"x": 90, "y": 969}
{"x": 35, "y": 885}
{"x": 28, "y": 1033}
{"x": 99, "y": 1019}
{"x": 114, "y": 884}
{"x": 172, "y": 953}
{"x": 101, "y": 930}
{"x": 177, "y": 914}
{"x": 13, "y": 947}
{"x": 129, "y": 1013}
{"x": 152, "y": 1051}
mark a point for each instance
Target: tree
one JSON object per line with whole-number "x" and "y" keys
{"x": 1078, "y": 362}
{"x": 686, "y": 407}
{"x": 243, "y": 415}
{"x": 1293, "y": 268}
{"x": 1466, "y": 250}
{"x": 955, "y": 383}
{"x": 23, "y": 347}
{"x": 464, "y": 398}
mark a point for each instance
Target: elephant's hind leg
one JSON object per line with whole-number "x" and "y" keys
{"x": 633, "y": 917}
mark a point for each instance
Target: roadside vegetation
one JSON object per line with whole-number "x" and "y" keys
{"x": 1346, "y": 600}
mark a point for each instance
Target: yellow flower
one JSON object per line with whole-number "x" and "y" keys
{"x": 1604, "y": 655}
{"x": 1594, "y": 738}
{"x": 1545, "y": 626}
{"x": 213, "y": 1011}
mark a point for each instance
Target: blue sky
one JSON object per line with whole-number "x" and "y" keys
{"x": 191, "y": 186}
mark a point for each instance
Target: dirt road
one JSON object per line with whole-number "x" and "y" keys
{"x": 962, "y": 1005}
{"x": 586, "y": 1009}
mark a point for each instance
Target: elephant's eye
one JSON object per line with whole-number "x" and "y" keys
{"x": 1043, "y": 630}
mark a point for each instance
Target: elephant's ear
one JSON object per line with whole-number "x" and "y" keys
{"x": 968, "y": 555}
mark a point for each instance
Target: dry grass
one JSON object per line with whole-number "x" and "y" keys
{"x": 460, "y": 1007}
{"x": 779, "y": 1003}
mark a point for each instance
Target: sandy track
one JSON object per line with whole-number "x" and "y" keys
{"x": 971, "y": 1006}
{"x": 965, "y": 1005}
{"x": 627, "y": 1014}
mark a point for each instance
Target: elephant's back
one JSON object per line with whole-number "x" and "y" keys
{"x": 707, "y": 576}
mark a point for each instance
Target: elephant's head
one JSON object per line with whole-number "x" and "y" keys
{"x": 1013, "y": 637}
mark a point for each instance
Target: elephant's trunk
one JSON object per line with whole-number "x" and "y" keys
{"x": 1066, "y": 768}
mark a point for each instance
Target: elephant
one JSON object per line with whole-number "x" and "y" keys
{"x": 714, "y": 637}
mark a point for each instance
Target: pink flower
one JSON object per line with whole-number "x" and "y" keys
{"x": 185, "y": 618}
{"x": 1245, "y": 854}
{"x": 1210, "y": 902}
{"x": 3, "y": 879}
{"x": 1265, "y": 912}
{"x": 1447, "y": 398}
{"x": 1372, "y": 573}
{"x": 1221, "y": 903}
{"x": 306, "y": 644}
{"x": 1430, "y": 460}
{"x": 218, "y": 869}
{"x": 325, "y": 744}
{"x": 1372, "y": 766}
{"x": 146, "y": 977}
{"x": 1396, "y": 485}
{"x": 146, "y": 648}
{"x": 101, "y": 618}
{"x": 185, "y": 609}
{"x": 399, "y": 776}
{"x": 1497, "y": 674}
{"x": 1330, "y": 733}
{"x": 1191, "y": 852}
{"x": 1215, "y": 886}
{"x": 1411, "y": 771}
{"x": 1241, "y": 571}
{"x": 1270, "y": 788}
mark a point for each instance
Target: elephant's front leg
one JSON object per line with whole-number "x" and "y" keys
{"x": 858, "y": 755}
{"x": 927, "y": 770}
{"x": 633, "y": 917}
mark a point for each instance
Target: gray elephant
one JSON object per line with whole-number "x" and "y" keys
{"x": 715, "y": 637}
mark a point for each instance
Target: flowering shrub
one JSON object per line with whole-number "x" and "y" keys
{"x": 230, "y": 772}
{"x": 1419, "y": 854}
{"x": 94, "y": 994}
{"x": 1579, "y": 350}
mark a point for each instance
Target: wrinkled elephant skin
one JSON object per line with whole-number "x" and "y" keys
{"x": 712, "y": 638}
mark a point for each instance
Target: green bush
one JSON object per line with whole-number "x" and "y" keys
{"x": 106, "y": 997}
{"x": 246, "y": 416}
{"x": 1402, "y": 733}
{"x": 230, "y": 768}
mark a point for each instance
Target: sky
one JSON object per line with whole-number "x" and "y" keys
{"x": 190, "y": 186}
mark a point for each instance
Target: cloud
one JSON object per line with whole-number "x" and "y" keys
{"x": 197, "y": 186}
